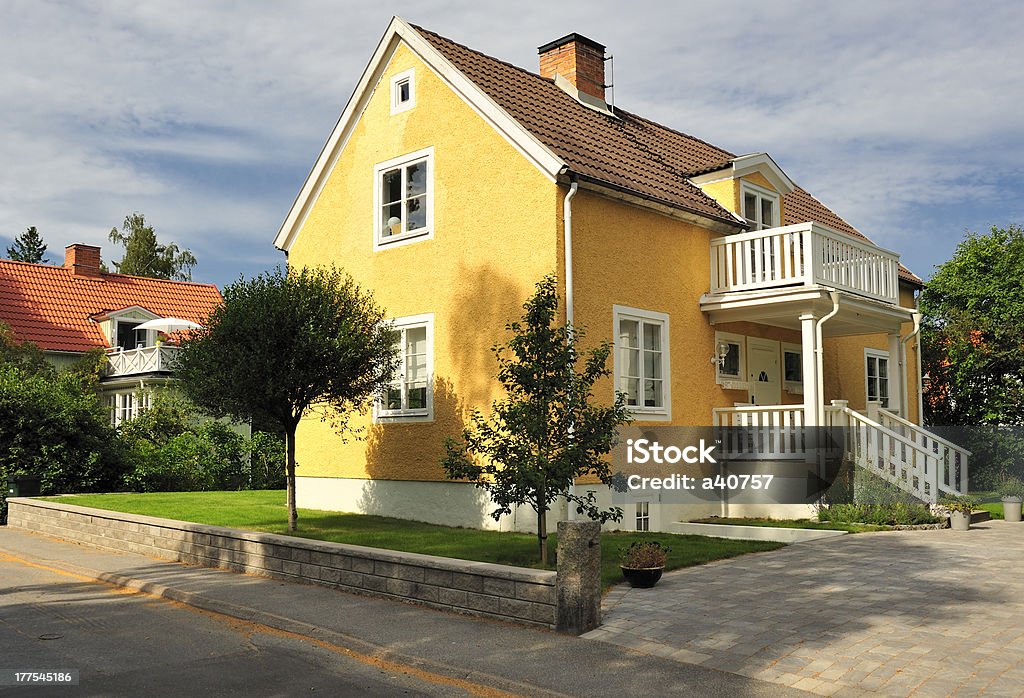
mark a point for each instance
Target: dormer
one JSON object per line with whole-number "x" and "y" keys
{"x": 118, "y": 327}
{"x": 751, "y": 186}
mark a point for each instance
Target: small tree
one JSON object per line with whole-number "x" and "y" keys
{"x": 144, "y": 256}
{"x": 28, "y": 247}
{"x": 548, "y": 432}
{"x": 283, "y": 343}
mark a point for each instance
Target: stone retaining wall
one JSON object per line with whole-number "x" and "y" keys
{"x": 478, "y": 588}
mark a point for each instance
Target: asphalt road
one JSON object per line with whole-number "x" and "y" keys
{"x": 130, "y": 644}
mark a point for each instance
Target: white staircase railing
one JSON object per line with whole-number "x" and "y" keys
{"x": 912, "y": 458}
{"x": 900, "y": 452}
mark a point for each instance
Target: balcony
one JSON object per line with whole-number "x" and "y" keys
{"x": 156, "y": 359}
{"x": 805, "y": 254}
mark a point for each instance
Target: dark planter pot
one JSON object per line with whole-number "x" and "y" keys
{"x": 642, "y": 577}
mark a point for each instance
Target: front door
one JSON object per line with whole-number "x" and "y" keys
{"x": 763, "y": 371}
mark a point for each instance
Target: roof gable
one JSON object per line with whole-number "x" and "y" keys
{"x": 59, "y": 310}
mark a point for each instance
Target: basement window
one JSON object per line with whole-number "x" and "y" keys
{"x": 403, "y": 92}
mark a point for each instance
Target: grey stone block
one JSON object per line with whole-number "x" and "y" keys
{"x": 536, "y": 593}
{"x": 469, "y": 582}
{"x": 425, "y": 592}
{"x": 375, "y": 583}
{"x": 400, "y": 587}
{"x": 385, "y": 569}
{"x": 499, "y": 587}
{"x": 361, "y": 564}
{"x": 349, "y": 578}
{"x": 411, "y": 573}
{"x": 482, "y": 602}
{"x": 452, "y": 597}
{"x": 515, "y": 608}
{"x": 543, "y": 613}
{"x": 579, "y": 576}
{"x": 441, "y": 578}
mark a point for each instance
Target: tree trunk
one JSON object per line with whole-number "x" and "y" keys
{"x": 289, "y": 467}
{"x": 542, "y": 529}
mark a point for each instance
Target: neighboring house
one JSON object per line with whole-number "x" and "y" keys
{"x": 454, "y": 181}
{"x": 69, "y": 310}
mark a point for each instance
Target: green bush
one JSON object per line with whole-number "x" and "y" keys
{"x": 53, "y": 425}
{"x": 892, "y": 514}
{"x": 175, "y": 449}
{"x": 266, "y": 453}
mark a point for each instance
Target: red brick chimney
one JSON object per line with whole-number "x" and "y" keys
{"x": 577, "y": 59}
{"x": 82, "y": 260}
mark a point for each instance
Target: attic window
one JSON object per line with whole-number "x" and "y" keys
{"x": 403, "y": 91}
{"x": 760, "y": 206}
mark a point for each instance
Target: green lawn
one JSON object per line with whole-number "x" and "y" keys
{"x": 265, "y": 511}
{"x": 990, "y": 502}
{"x": 794, "y": 523}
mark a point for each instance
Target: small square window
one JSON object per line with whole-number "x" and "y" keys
{"x": 733, "y": 367}
{"x": 403, "y": 92}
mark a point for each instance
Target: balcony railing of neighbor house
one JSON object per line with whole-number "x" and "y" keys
{"x": 805, "y": 254}
{"x": 141, "y": 360}
{"x": 889, "y": 446}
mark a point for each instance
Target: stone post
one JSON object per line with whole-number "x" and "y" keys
{"x": 578, "y": 582}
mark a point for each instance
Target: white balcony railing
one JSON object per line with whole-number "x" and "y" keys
{"x": 141, "y": 360}
{"x": 805, "y": 254}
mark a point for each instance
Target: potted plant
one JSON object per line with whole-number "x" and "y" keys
{"x": 643, "y": 562}
{"x": 959, "y": 509}
{"x": 1012, "y": 492}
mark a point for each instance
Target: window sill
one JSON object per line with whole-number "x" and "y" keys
{"x": 398, "y": 417}
{"x": 404, "y": 239}
{"x": 794, "y": 388}
{"x": 642, "y": 415}
{"x": 729, "y": 384}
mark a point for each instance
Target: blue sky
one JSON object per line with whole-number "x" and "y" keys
{"x": 903, "y": 117}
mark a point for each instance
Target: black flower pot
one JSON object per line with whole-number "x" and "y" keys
{"x": 642, "y": 577}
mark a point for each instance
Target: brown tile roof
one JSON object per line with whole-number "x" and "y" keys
{"x": 51, "y": 306}
{"x": 624, "y": 151}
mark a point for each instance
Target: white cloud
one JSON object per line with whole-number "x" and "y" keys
{"x": 207, "y": 116}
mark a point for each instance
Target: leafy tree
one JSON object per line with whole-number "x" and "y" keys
{"x": 28, "y": 247}
{"x": 548, "y": 432}
{"x": 973, "y": 345}
{"x": 974, "y": 351}
{"x": 144, "y": 256}
{"x": 285, "y": 343}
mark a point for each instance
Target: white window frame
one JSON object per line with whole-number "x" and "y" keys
{"x": 795, "y": 387}
{"x": 427, "y": 232}
{"x": 405, "y": 77}
{"x": 727, "y": 380}
{"x": 878, "y": 354}
{"x": 384, "y": 416}
{"x": 761, "y": 193}
{"x": 642, "y": 510}
{"x": 653, "y": 414}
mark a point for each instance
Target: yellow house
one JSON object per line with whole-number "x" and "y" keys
{"x": 454, "y": 181}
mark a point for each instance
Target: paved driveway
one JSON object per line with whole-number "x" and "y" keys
{"x": 923, "y": 613}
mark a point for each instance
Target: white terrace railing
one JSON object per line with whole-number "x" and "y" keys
{"x": 764, "y": 432}
{"x": 805, "y": 254}
{"x": 142, "y": 360}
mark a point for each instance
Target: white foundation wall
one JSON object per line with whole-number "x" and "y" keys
{"x": 461, "y": 504}
{"x": 445, "y": 503}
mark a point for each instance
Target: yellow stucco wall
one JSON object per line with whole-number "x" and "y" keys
{"x": 495, "y": 224}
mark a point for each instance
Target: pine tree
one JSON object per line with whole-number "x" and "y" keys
{"x": 28, "y": 247}
{"x": 144, "y": 256}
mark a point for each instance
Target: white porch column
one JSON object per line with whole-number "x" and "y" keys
{"x": 809, "y": 354}
{"x": 897, "y": 373}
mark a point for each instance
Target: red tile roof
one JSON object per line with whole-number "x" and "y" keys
{"x": 51, "y": 306}
{"x": 624, "y": 151}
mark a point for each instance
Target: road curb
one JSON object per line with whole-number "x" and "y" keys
{"x": 348, "y": 644}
